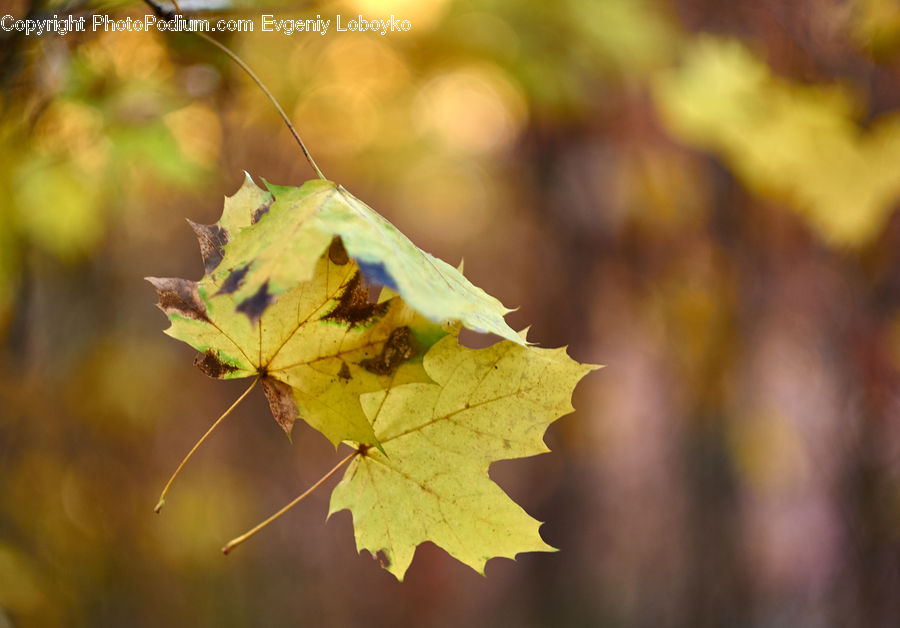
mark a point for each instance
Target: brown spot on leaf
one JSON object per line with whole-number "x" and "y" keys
{"x": 179, "y": 296}
{"x": 344, "y": 372}
{"x": 212, "y": 239}
{"x": 211, "y": 365}
{"x": 399, "y": 347}
{"x": 354, "y": 307}
{"x": 337, "y": 253}
{"x": 234, "y": 280}
{"x": 254, "y": 306}
{"x": 383, "y": 558}
{"x": 281, "y": 402}
{"x": 260, "y": 211}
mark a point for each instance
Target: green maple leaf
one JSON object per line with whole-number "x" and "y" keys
{"x": 294, "y": 225}
{"x": 430, "y": 480}
{"x": 316, "y": 347}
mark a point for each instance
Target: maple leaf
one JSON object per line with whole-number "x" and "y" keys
{"x": 316, "y": 347}
{"x": 430, "y": 481}
{"x": 284, "y": 298}
{"x": 294, "y": 225}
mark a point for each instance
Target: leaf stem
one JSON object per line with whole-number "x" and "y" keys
{"x": 240, "y": 539}
{"x": 261, "y": 85}
{"x": 162, "y": 497}
{"x": 246, "y": 68}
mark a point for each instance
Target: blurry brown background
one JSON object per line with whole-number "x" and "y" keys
{"x": 699, "y": 194}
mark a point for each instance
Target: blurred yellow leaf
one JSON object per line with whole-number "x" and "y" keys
{"x": 796, "y": 143}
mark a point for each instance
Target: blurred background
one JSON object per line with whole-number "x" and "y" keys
{"x": 701, "y": 195}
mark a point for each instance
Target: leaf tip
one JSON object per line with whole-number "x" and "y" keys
{"x": 179, "y": 296}
{"x": 282, "y": 404}
{"x": 247, "y": 184}
{"x": 523, "y": 337}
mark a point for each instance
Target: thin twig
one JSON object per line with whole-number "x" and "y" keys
{"x": 240, "y": 539}
{"x": 269, "y": 95}
{"x": 169, "y": 15}
{"x": 162, "y": 497}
